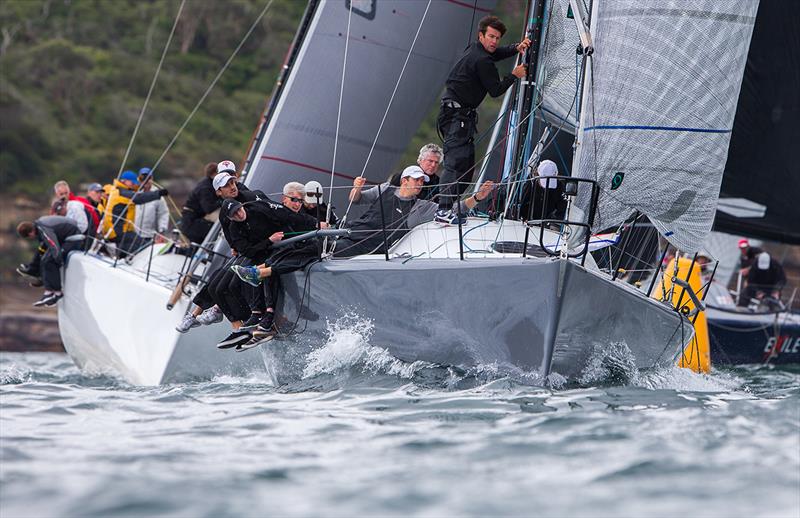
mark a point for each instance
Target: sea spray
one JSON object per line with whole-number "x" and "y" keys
{"x": 347, "y": 345}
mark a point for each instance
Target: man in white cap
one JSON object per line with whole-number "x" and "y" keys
{"x": 398, "y": 208}
{"x": 313, "y": 204}
{"x": 543, "y": 201}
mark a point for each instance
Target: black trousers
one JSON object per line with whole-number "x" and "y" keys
{"x": 227, "y": 291}
{"x": 195, "y": 229}
{"x": 130, "y": 242}
{"x": 457, "y": 129}
{"x": 288, "y": 260}
{"x": 51, "y": 266}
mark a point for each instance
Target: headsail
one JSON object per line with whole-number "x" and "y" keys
{"x": 299, "y": 138}
{"x": 558, "y": 73}
{"x": 658, "y": 108}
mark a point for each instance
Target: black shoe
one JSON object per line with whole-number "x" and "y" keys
{"x": 260, "y": 336}
{"x": 252, "y": 322}
{"x": 266, "y": 321}
{"x": 235, "y": 338}
{"x": 48, "y": 299}
{"x": 29, "y": 275}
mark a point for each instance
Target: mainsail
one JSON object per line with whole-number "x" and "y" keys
{"x": 298, "y": 141}
{"x": 658, "y": 107}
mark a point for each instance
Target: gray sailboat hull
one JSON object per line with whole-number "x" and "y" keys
{"x": 550, "y": 319}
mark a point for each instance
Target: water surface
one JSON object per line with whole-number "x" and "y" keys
{"x": 357, "y": 432}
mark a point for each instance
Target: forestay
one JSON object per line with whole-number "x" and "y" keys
{"x": 658, "y": 109}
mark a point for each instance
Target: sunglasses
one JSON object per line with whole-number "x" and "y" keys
{"x": 296, "y": 200}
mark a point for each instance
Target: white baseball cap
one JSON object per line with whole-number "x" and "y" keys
{"x": 221, "y": 180}
{"x": 312, "y": 188}
{"x": 226, "y": 166}
{"x": 414, "y": 171}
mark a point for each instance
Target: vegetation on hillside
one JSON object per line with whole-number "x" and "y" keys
{"x": 75, "y": 73}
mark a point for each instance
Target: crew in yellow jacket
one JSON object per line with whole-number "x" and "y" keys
{"x": 120, "y": 211}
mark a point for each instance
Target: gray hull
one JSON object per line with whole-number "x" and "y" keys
{"x": 465, "y": 313}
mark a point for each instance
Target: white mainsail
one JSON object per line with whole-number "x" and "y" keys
{"x": 658, "y": 108}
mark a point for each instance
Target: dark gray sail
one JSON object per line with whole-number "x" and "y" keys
{"x": 762, "y": 165}
{"x": 298, "y": 141}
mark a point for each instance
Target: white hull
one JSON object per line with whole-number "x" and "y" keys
{"x": 114, "y": 322}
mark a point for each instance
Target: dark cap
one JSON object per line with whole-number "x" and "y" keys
{"x": 230, "y": 206}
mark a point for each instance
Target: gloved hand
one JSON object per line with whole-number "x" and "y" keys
{"x": 163, "y": 192}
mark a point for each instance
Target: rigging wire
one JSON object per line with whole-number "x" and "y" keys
{"x": 213, "y": 84}
{"x": 150, "y": 91}
{"x": 391, "y": 99}
{"x": 338, "y": 121}
{"x": 197, "y": 106}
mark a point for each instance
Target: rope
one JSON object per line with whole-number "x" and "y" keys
{"x": 213, "y": 83}
{"x": 150, "y": 91}
{"x": 391, "y": 99}
{"x": 197, "y": 106}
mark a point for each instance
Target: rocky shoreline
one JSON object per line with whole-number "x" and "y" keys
{"x": 24, "y": 328}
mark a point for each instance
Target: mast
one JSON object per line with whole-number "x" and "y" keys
{"x": 524, "y": 95}
{"x": 585, "y": 24}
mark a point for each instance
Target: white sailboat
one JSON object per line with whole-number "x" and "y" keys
{"x": 543, "y": 309}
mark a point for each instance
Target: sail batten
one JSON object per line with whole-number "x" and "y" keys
{"x": 659, "y": 106}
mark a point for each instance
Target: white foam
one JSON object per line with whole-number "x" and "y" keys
{"x": 348, "y": 346}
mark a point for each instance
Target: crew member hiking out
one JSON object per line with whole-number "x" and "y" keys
{"x": 472, "y": 77}
{"x": 58, "y": 236}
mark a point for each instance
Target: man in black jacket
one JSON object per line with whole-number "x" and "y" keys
{"x": 57, "y": 236}
{"x": 472, "y": 77}
{"x": 201, "y": 208}
{"x": 255, "y": 228}
{"x": 218, "y": 298}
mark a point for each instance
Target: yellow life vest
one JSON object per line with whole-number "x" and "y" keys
{"x": 116, "y": 198}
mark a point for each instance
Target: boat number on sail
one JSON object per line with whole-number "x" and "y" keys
{"x": 616, "y": 180}
{"x": 365, "y": 8}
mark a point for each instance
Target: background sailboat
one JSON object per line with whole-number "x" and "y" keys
{"x": 760, "y": 190}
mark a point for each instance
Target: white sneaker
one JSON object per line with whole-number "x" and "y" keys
{"x": 210, "y": 316}
{"x": 188, "y": 322}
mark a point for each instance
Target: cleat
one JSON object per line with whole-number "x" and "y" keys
{"x": 49, "y": 298}
{"x": 188, "y": 322}
{"x": 449, "y": 217}
{"x": 234, "y": 339}
{"x": 248, "y": 274}
{"x": 210, "y": 316}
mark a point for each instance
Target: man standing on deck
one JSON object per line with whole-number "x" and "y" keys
{"x": 472, "y": 77}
